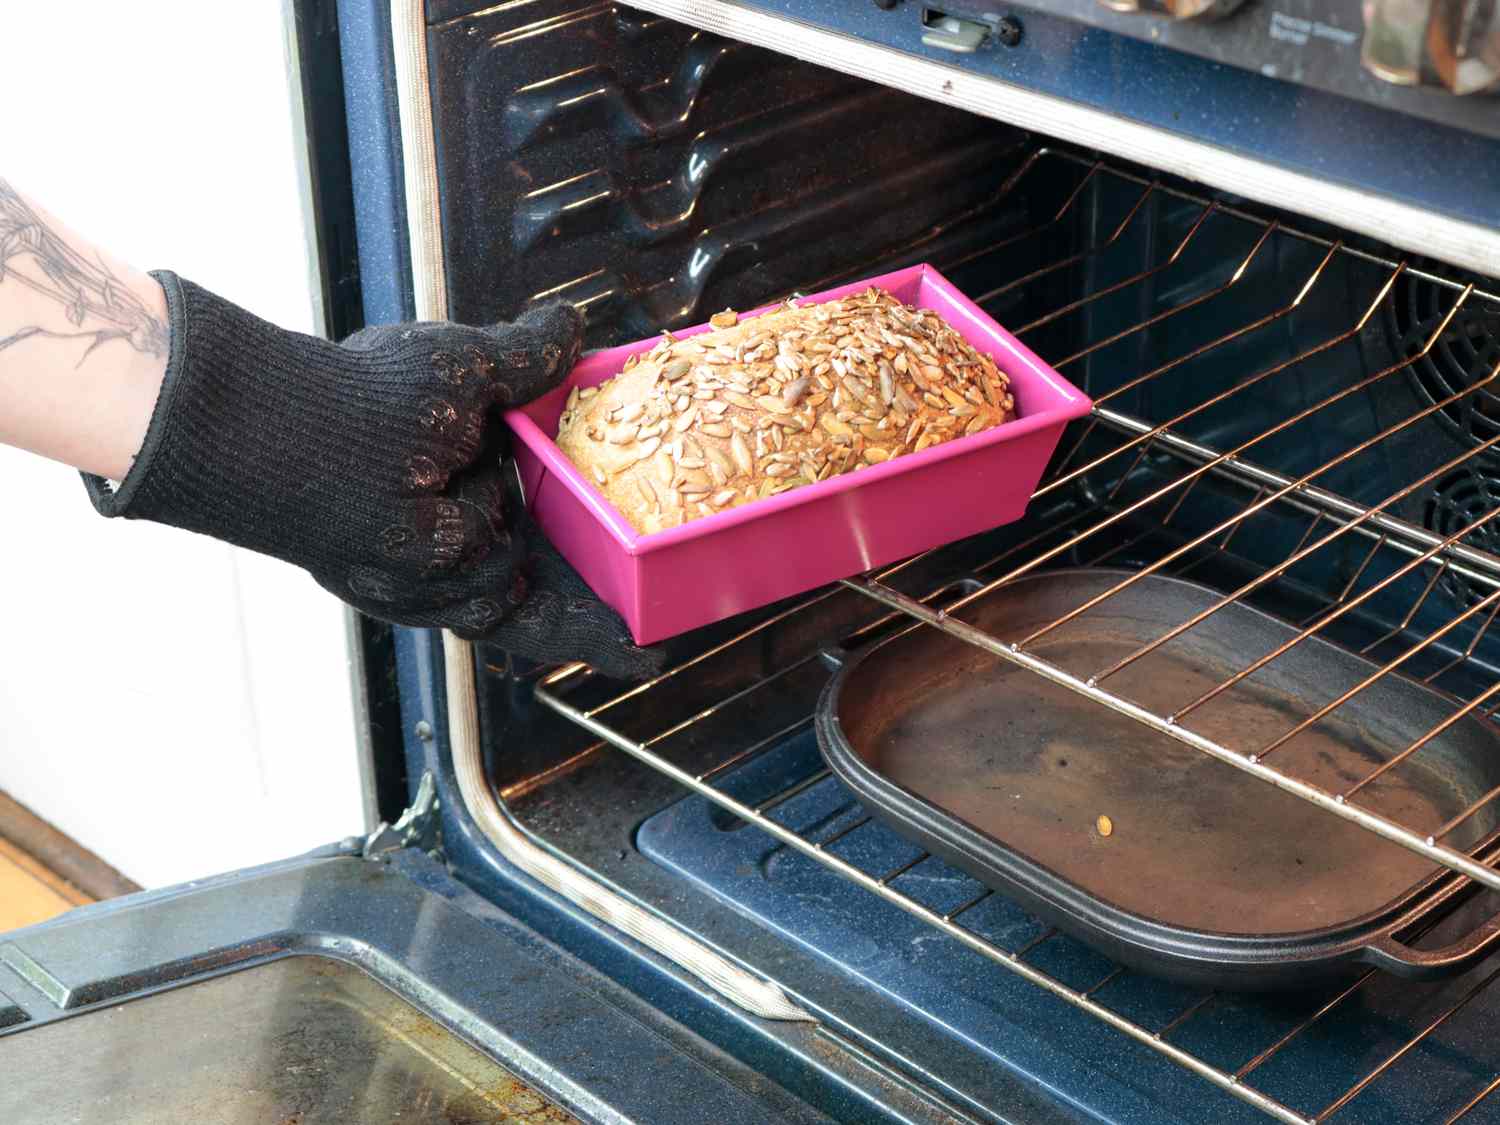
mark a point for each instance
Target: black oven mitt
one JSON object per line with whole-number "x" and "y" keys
{"x": 376, "y": 464}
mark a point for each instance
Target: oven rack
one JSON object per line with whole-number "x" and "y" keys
{"x": 1238, "y": 1082}
{"x": 653, "y": 750}
{"x": 1121, "y": 447}
{"x": 1438, "y": 555}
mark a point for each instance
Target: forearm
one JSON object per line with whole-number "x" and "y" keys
{"x": 83, "y": 343}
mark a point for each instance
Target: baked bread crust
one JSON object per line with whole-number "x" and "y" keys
{"x": 762, "y": 405}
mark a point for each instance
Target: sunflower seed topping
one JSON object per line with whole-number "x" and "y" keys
{"x": 773, "y": 404}
{"x": 824, "y": 389}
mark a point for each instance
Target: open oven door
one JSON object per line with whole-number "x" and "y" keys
{"x": 358, "y": 984}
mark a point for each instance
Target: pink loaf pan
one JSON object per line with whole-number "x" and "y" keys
{"x": 714, "y": 567}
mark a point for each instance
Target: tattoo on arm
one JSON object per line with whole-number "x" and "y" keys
{"x": 93, "y": 299}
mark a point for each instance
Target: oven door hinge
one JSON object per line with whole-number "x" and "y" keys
{"x": 417, "y": 827}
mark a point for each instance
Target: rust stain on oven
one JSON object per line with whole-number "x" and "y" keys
{"x": 511, "y": 1099}
{"x": 499, "y": 1097}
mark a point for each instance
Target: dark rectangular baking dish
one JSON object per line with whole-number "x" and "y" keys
{"x": 1209, "y": 875}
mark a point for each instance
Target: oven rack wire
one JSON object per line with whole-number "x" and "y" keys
{"x": 1237, "y": 1082}
{"x": 1117, "y": 445}
{"x": 554, "y": 688}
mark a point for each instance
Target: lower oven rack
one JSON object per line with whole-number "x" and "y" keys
{"x": 1237, "y": 1082}
{"x": 1131, "y": 467}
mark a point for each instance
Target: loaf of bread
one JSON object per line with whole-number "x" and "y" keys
{"x": 758, "y": 406}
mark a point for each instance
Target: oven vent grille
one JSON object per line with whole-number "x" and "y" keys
{"x": 1456, "y": 502}
{"x": 1465, "y": 353}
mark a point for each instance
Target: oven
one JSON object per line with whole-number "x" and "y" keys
{"x": 1264, "y": 238}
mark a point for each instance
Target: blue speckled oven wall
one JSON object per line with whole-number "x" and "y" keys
{"x": 1004, "y": 1021}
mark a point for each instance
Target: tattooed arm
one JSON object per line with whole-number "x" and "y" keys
{"x": 375, "y": 464}
{"x": 83, "y": 343}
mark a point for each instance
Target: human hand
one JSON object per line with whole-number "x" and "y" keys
{"x": 379, "y": 465}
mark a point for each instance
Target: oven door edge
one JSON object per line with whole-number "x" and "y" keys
{"x": 550, "y": 1020}
{"x": 424, "y": 231}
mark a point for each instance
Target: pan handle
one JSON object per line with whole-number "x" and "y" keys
{"x": 1388, "y": 952}
{"x": 1391, "y": 955}
{"x": 834, "y": 657}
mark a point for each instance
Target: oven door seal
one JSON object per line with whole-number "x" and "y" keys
{"x": 424, "y": 230}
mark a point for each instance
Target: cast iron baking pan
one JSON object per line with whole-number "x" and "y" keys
{"x": 1209, "y": 875}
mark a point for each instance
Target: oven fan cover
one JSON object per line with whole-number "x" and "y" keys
{"x": 1466, "y": 353}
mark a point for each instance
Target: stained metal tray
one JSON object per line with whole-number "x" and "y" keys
{"x": 302, "y": 1040}
{"x": 1206, "y": 874}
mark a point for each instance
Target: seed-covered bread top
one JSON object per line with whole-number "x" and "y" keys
{"x": 758, "y": 406}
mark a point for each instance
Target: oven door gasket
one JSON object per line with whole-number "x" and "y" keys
{"x": 424, "y": 231}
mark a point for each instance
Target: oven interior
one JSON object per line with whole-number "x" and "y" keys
{"x": 1304, "y": 421}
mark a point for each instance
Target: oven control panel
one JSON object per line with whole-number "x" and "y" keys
{"x": 1408, "y": 41}
{"x": 1435, "y": 59}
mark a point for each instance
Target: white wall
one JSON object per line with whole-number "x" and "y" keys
{"x": 179, "y": 706}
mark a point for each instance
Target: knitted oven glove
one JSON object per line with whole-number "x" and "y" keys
{"x": 377, "y": 465}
